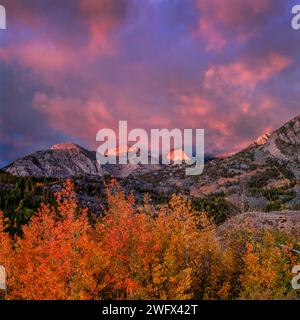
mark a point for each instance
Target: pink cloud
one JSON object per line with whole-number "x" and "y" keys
{"x": 228, "y": 104}
{"x": 226, "y": 21}
{"x": 74, "y": 116}
{"x": 245, "y": 74}
{"x": 45, "y": 58}
{"x": 102, "y": 17}
{"x": 21, "y": 13}
{"x": 157, "y": 121}
{"x": 53, "y": 52}
{"x": 232, "y": 121}
{"x": 191, "y": 108}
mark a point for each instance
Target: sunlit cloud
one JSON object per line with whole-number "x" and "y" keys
{"x": 71, "y": 68}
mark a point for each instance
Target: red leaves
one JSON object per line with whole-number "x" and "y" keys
{"x": 5, "y": 244}
{"x": 132, "y": 253}
{"x": 47, "y": 259}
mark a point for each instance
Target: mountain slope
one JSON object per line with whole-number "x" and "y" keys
{"x": 263, "y": 177}
{"x": 286, "y": 221}
{"x": 284, "y": 144}
{"x": 266, "y": 174}
{"x": 70, "y": 160}
{"x": 61, "y": 161}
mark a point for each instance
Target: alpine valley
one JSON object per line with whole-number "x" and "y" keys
{"x": 263, "y": 179}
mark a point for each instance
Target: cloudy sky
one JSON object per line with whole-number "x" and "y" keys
{"x": 69, "y": 68}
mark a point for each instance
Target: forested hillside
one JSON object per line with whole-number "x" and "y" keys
{"x": 135, "y": 252}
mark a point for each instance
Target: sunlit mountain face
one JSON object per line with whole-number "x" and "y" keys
{"x": 177, "y": 155}
{"x": 70, "y": 68}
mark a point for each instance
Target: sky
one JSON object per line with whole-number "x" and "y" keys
{"x": 70, "y": 68}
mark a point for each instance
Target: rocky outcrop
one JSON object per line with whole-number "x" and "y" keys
{"x": 285, "y": 221}
{"x": 261, "y": 139}
{"x": 70, "y": 160}
{"x": 60, "y": 161}
{"x": 284, "y": 143}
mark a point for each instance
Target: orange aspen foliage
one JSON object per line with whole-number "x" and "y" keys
{"x": 50, "y": 259}
{"x": 181, "y": 233}
{"x": 5, "y": 245}
{"x": 267, "y": 268}
{"x": 137, "y": 251}
{"x": 127, "y": 242}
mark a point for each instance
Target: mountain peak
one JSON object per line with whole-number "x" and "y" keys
{"x": 177, "y": 155}
{"x": 65, "y": 146}
{"x": 284, "y": 142}
{"x": 262, "y": 139}
{"x": 60, "y": 161}
{"x": 120, "y": 150}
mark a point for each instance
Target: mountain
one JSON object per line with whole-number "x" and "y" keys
{"x": 177, "y": 155}
{"x": 263, "y": 177}
{"x": 71, "y": 160}
{"x": 60, "y": 161}
{"x": 262, "y": 139}
{"x": 284, "y": 143}
{"x": 125, "y": 170}
{"x": 121, "y": 151}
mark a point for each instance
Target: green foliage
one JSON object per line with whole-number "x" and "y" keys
{"x": 215, "y": 205}
{"x": 20, "y": 197}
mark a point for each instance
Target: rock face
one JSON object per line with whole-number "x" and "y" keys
{"x": 70, "y": 160}
{"x": 65, "y": 146}
{"x": 60, "y": 161}
{"x": 177, "y": 156}
{"x": 262, "y": 139}
{"x": 268, "y": 171}
{"x": 284, "y": 143}
{"x": 286, "y": 221}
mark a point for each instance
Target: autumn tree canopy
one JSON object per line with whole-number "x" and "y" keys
{"x": 138, "y": 251}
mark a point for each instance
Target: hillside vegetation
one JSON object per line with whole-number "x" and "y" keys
{"x": 135, "y": 252}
